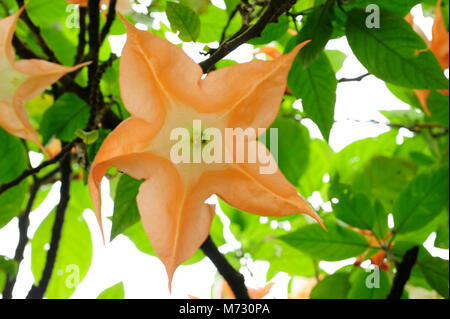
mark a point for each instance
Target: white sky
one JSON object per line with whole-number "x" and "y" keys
{"x": 144, "y": 276}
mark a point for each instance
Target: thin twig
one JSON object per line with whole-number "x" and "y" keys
{"x": 403, "y": 273}
{"x": 109, "y": 20}
{"x": 234, "y": 279}
{"x": 94, "y": 47}
{"x": 37, "y": 169}
{"x": 357, "y": 79}
{"x": 23, "y": 238}
{"x": 36, "y": 31}
{"x": 81, "y": 36}
{"x": 38, "y": 292}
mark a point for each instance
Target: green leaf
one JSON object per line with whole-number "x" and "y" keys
{"x": 272, "y": 32}
{"x": 317, "y": 27}
{"x": 336, "y": 244}
{"x": 442, "y": 234}
{"x": 403, "y": 117}
{"x": 320, "y": 157}
{"x": 334, "y": 286}
{"x": 354, "y": 209}
{"x": 213, "y": 22}
{"x": 336, "y": 59}
{"x": 316, "y": 86}
{"x": 11, "y": 202}
{"x": 87, "y": 137}
{"x": 114, "y": 292}
{"x": 292, "y": 146}
{"x": 401, "y": 7}
{"x": 184, "y": 20}
{"x": 422, "y": 201}
{"x": 74, "y": 253}
{"x": 68, "y": 114}
{"x": 13, "y": 161}
{"x": 380, "y": 225}
{"x": 435, "y": 270}
{"x": 369, "y": 285}
{"x": 126, "y": 212}
{"x": 353, "y": 158}
{"x": 13, "y": 157}
{"x": 394, "y": 52}
{"x": 438, "y": 105}
{"x": 385, "y": 178}
{"x": 285, "y": 258}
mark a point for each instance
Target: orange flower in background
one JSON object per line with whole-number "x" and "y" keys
{"x": 21, "y": 81}
{"x": 439, "y": 45}
{"x": 164, "y": 89}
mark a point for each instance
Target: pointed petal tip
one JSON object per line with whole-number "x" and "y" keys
{"x": 127, "y": 24}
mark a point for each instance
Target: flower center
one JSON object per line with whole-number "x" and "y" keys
{"x": 11, "y": 80}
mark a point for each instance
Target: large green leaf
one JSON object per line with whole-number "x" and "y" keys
{"x": 385, "y": 178}
{"x": 401, "y": 7}
{"x": 435, "y": 270}
{"x": 422, "y": 201}
{"x": 334, "y": 286}
{"x": 13, "y": 160}
{"x": 184, "y": 20}
{"x": 320, "y": 157}
{"x": 292, "y": 146}
{"x": 68, "y": 114}
{"x": 126, "y": 212}
{"x": 114, "y": 292}
{"x": 316, "y": 86}
{"x": 394, "y": 52}
{"x": 74, "y": 253}
{"x": 353, "y": 208}
{"x": 317, "y": 27}
{"x": 213, "y": 22}
{"x": 335, "y": 244}
{"x": 373, "y": 284}
{"x": 438, "y": 105}
{"x": 354, "y": 157}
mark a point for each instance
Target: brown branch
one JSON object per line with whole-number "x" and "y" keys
{"x": 94, "y": 48}
{"x": 274, "y": 10}
{"x": 403, "y": 273}
{"x": 37, "y": 292}
{"x": 81, "y": 36}
{"x": 109, "y": 20}
{"x": 36, "y": 31}
{"x": 23, "y": 238}
{"x": 234, "y": 279}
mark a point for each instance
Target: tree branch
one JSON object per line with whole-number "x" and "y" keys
{"x": 109, "y": 20}
{"x": 37, "y": 169}
{"x": 23, "y": 238}
{"x": 357, "y": 79}
{"x": 94, "y": 47}
{"x": 274, "y": 10}
{"x": 36, "y": 31}
{"x": 403, "y": 273}
{"x": 37, "y": 292}
{"x": 234, "y": 279}
{"x": 81, "y": 36}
